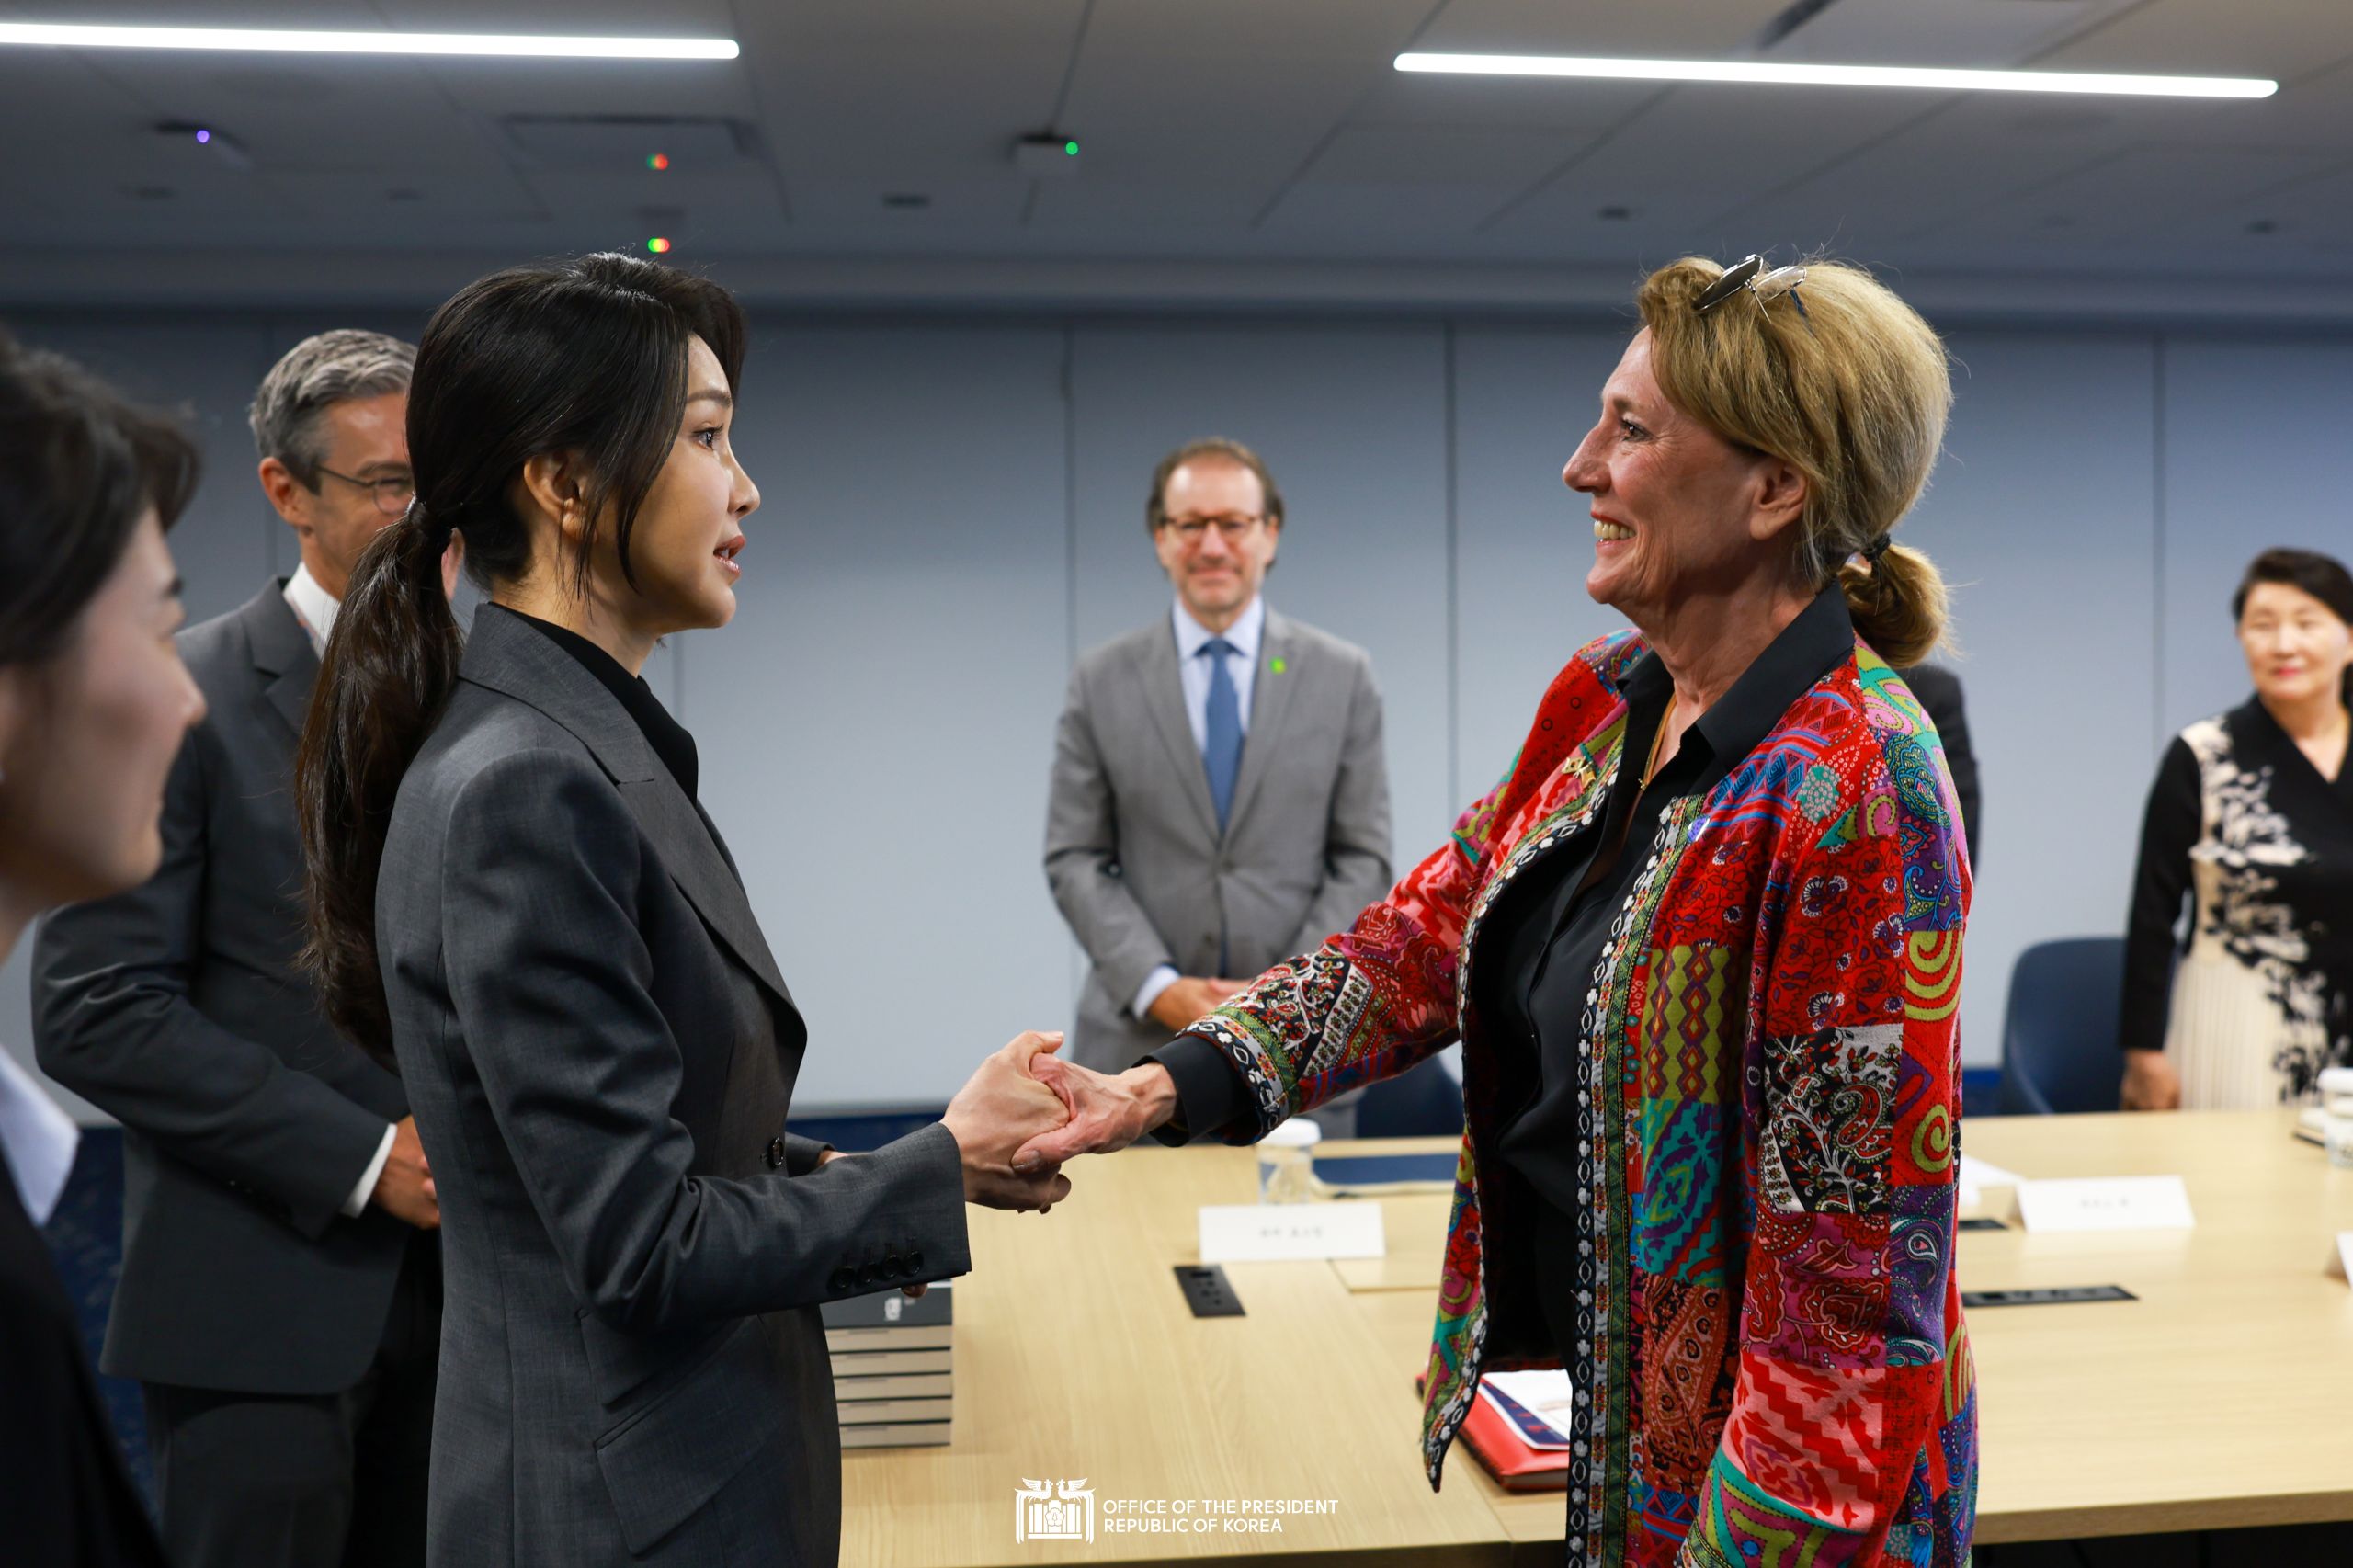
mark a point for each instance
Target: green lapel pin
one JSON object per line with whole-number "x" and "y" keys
{"x": 1276, "y": 666}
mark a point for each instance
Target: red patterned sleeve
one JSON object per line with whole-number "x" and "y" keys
{"x": 1853, "y": 1373}
{"x": 1370, "y": 1003}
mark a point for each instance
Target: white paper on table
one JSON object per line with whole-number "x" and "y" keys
{"x": 2341, "y": 1266}
{"x": 1978, "y": 1174}
{"x": 1259, "y": 1233}
{"x": 2105, "y": 1203}
{"x": 1547, "y": 1395}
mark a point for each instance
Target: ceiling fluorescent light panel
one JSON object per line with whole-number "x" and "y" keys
{"x": 1934, "y": 78}
{"x": 282, "y": 41}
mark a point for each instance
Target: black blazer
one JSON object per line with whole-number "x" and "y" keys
{"x": 246, "y": 1120}
{"x": 601, "y": 1052}
{"x": 64, "y": 1500}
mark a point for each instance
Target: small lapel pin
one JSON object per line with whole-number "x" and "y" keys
{"x": 1276, "y": 666}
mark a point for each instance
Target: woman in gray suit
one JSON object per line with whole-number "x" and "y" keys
{"x": 516, "y": 894}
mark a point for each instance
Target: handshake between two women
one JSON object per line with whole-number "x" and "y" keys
{"x": 1026, "y": 1112}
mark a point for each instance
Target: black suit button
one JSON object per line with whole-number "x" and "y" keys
{"x": 896, "y": 1264}
{"x": 843, "y": 1278}
{"x": 776, "y": 1153}
{"x": 866, "y": 1274}
{"x": 915, "y": 1261}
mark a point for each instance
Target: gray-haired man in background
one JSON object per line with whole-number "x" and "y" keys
{"x": 281, "y": 1296}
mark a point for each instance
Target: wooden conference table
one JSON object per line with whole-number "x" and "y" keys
{"x": 2213, "y": 1400}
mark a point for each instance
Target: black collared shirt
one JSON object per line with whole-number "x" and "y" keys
{"x": 668, "y": 738}
{"x": 1541, "y": 948}
{"x": 1541, "y": 954}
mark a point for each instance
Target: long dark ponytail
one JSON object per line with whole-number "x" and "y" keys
{"x": 587, "y": 358}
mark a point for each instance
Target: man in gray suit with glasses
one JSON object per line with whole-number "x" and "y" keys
{"x": 1219, "y": 800}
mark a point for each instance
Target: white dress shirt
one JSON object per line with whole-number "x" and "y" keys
{"x": 1193, "y": 670}
{"x": 315, "y": 608}
{"x": 37, "y": 1141}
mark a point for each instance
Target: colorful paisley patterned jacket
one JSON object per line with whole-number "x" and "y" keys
{"x": 1772, "y": 1370}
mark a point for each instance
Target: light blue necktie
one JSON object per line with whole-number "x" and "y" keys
{"x": 1222, "y": 735}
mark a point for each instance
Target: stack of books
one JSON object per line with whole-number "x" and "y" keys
{"x": 893, "y": 1367}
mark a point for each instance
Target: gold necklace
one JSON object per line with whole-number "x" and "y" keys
{"x": 1658, "y": 741}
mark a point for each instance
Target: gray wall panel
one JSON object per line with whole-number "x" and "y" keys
{"x": 876, "y": 724}
{"x": 2255, "y": 454}
{"x": 230, "y": 539}
{"x": 2040, "y": 517}
{"x": 1351, "y": 421}
{"x": 1523, "y": 399}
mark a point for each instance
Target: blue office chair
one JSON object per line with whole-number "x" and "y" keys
{"x": 2059, "y": 1054}
{"x": 1422, "y": 1101}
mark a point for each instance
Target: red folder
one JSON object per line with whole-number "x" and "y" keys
{"x": 1517, "y": 1465}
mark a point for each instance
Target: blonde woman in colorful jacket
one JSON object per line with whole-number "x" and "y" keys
{"x": 1702, "y": 948}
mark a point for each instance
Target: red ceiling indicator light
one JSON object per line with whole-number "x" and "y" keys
{"x": 658, "y": 162}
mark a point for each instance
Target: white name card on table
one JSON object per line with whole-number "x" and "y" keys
{"x": 1977, "y": 1175}
{"x": 1263, "y": 1232}
{"x": 2341, "y": 1266}
{"x": 2105, "y": 1203}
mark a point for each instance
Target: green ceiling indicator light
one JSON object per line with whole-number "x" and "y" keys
{"x": 657, "y": 162}
{"x": 658, "y": 245}
{"x": 1047, "y": 154}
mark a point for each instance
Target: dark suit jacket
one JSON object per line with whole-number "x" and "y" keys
{"x": 246, "y": 1120}
{"x": 1938, "y": 690}
{"x": 64, "y": 1500}
{"x": 601, "y": 1054}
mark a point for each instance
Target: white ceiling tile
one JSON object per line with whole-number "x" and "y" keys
{"x": 2271, "y": 37}
{"x": 1478, "y": 159}
{"x": 2143, "y": 196}
{"x": 1214, "y": 32}
{"x": 1975, "y": 33}
{"x": 1691, "y": 30}
{"x": 1527, "y": 103}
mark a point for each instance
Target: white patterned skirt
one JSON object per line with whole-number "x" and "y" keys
{"x": 2224, "y": 1036}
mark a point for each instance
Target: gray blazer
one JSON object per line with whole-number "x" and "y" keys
{"x": 176, "y": 1008}
{"x": 1132, "y": 849}
{"x": 601, "y": 1053}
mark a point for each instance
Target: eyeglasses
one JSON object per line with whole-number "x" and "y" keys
{"x": 1234, "y": 531}
{"x": 393, "y": 496}
{"x": 1764, "y": 287}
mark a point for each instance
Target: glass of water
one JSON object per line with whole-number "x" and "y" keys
{"x": 1286, "y": 1162}
{"x": 2337, "y": 1136}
